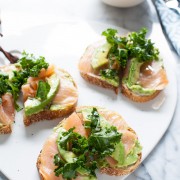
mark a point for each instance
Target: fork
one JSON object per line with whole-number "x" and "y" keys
{"x": 173, "y": 4}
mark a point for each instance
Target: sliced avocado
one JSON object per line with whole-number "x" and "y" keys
{"x": 111, "y": 76}
{"x": 140, "y": 90}
{"x": 68, "y": 156}
{"x": 133, "y": 76}
{"x": 33, "y": 105}
{"x": 114, "y": 82}
{"x": 100, "y": 56}
{"x": 126, "y": 160}
{"x": 87, "y": 112}
{"x": 119, "y": 153}
{"x": 134, "y": 72}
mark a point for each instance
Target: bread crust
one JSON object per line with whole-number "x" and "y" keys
{"x": 105, "y": 170}
{"x": 48, "y": 115}
{"x": 95, "y": 79}
{"x": 38, "y": 164}
{"x": 6, "y": 129}
{"x": 135, "y": 97}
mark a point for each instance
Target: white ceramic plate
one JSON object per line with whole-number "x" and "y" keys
{"x": 63, "y": 44}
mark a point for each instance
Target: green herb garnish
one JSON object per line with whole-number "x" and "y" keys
{"x": 32, "y": 65}
{"x": 78, "y": 154}
{"x": 29, "y": 66}
{"x": 109, "y": 74}
{"x": 135, "y": 45}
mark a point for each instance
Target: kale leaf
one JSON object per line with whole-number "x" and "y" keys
{"x": 140, "y": 47}
{"x": 109, "y": 73}
{"x": 32, "y": 65}
{"x": 42, "y": 90}
{"x": 103, "y": 141}
{"x": 94, "y": 120}
{"x": 135, "y": 45}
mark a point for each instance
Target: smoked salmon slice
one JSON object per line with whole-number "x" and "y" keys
{"x": 7, "y": 111}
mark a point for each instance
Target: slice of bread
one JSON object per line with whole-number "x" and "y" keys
{"x": 67, "y": 85}
{"x": 48, "y": 115}
{"x": 97, "y": 80}
{"x": 6, "y": 129}
{"x": 92, "y": 76}
{"x": 88, "y": 73}
{"x": 105, "y": 170}
{"x": 135, "y": 97}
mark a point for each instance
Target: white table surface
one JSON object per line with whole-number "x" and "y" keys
{"x": 163, "y": 163}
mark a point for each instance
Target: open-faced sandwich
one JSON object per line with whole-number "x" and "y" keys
{"x": 48, "y": 92}
{"x": 131, "y": 61}
{"x": 91, "y": 138}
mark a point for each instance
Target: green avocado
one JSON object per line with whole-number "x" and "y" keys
{"x": 34, "y": 105}
{"x": 142, "y": 91}
{"x": 100, "y": 56}
{"x": 87, "y": 112}
{"x": 68, "y": 156}
{"x": 114, "y": 82}
{"x": 131, "y": 80}
{"x": 134, "y": 72}
{"x": 123, "y": 159}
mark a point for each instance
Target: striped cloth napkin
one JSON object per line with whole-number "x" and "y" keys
{"x": 171, "y": 24}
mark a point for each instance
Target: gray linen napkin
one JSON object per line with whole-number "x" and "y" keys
{"x": 170, "y": 23}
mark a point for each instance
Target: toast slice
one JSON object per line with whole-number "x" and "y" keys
{"x": 62, "y": 104}
{"x": 136, "y": 97}
{"x": 148, "y": 81}
{"x": 146, "y": 77}
{"x": 88, "y": 73}
{"x": 45, "y": 164}
{"x": 7, "y": 113}
{"x": 6, "y": 129}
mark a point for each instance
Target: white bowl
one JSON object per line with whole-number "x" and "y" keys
{"x": 123, "y": 3}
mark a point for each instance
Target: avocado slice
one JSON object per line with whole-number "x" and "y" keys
{"x": 111, "y": 76}
{"x": 131, "y": 80}
{"x": 134, "y": 72}
{"x": 100, "y": 56}
{"x": 123, "y": 159}
{"x": 114, "y": 82}
{"x": 34, "y": 105}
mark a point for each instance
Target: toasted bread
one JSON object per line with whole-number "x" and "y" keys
{"x": 88, "y": 73}
{"x": 105, "y": 170}
{"x": 48, "y": 115}
{"x": 6, "y": 129}
{"x": 148, "y": 74}
{"x": 67, "y": 107}
{"x": 135, "y": 97}
{"x": 38, "y": 164}
{"x": 95, "y": 79}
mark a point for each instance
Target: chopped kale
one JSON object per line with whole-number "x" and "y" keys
{"x": 87, "y": 151}
{"x": 109, "y": 73}
{"x": 42, "y": 90}
{"x": 30, "y": 67}
{"x": 135, "y": 45}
